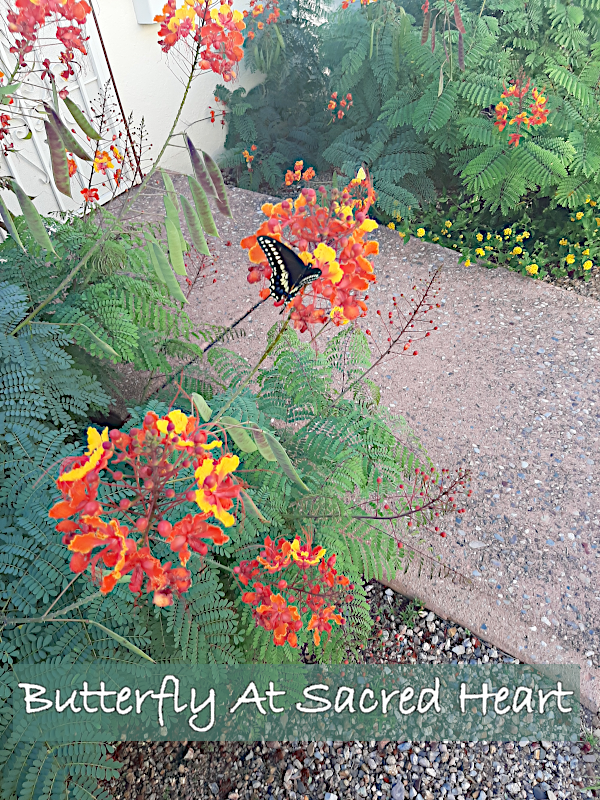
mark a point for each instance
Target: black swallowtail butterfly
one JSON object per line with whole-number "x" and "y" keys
{"x": 290, "y": 273}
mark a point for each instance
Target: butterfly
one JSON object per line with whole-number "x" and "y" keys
{"x": 290, "y": 273}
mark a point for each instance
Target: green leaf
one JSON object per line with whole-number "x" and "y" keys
{"x": 199, "y": 168}
{"x": 170, "y": 279}
{"x": 10, "y": 89}
{"x": 10, "y": 225}
{"x": 169, "y": 187}
{"x": 219, "y": 184}
{"x": 121, "y": 639}
{"x": 284, "y": 460}
{"x": 80, "y": 119}
{"x": 58, "y": 158}
{"x": 175, "y": 251}
{"x": 279, "y": 37}
{"x": 239, "y": 434}
{"x": 101, "y": 344}
{"x": 71, "y": 144}
{"x": 202, "y": 207}
{"x": 253, "y": 508}
{"x": 154, "y": 262}
{"x": 204, "y": 409}
{"x": 194, "y": 226}
{"x": 262, "y": 444}
{"x": 33, "y": 219}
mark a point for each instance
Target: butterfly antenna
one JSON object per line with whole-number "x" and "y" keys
{"x": 221, "y": 336}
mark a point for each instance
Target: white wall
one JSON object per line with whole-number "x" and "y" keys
{"x": 149, "y": 87}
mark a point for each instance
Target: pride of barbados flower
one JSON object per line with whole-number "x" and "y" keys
{"x": 146, "y": 475}
{"x": 307, "y": 597}
{"x": 328, "y": 233}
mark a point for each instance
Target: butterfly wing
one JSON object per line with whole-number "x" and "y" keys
{"x": 290, "y": 273}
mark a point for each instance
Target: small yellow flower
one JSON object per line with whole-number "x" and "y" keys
{"x": 587, "y": 264}
{"x": 579, "y": 215}
{"x": 526, "y": 234}
{"x": 577, "y": 245}
{"x": 532, "y": 269}
{"x": 436, "y": 238}
{"x": 593, "y": 203}
{"x": 570, "y": 258}
{"x": 444, "y": 231}
{"x": 498, "y": 238}
{"x": 519, "y": 238}
{"x": 479, "y": 237}
{"x": 587, "y": 199}
{"x": 597, "y": 220}
{"x": 563, "y": 242}
{"x": 585, "y": 252}
{"x": 420, "y": 232}
{"x": 488, "y": 247}
{"x": 572, "y": 219}
{"x": 480, "y": 251}
{"x": 460, "y": 236}
{"x": 517, "y": 251}
{"x": 391, "y": 226}
{"x": 489, "y": 236}
{"x": 448, "y": 224}
{"x": 507, "y": 231}
{"x": 449, "y": 236}
{"x": 401, "y": 234}
{"x": 468, "y": 262}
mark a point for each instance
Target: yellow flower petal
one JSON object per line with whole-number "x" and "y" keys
{"x": 324, "y": 253}
{"x": 368, "y": 225}
{"x": 226, "y": 465}
{"x": 205, "y": 468}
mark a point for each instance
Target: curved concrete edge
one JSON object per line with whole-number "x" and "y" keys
{"x": 499, "y": 625}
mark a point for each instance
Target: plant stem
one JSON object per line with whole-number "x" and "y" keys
{"x": 245, "y": 383}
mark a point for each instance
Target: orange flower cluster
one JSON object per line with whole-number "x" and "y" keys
{"x": 518, "y": 90}
{"x": 346, "y": 3}
{"x": 144, "y": 466}
{"x": 248, "y": 157}
{"x": 313, "y": 585}
{"x": 330, "y": 236}
{"x": 218, "y": 31}
{"x": 29, "y": 16}
{"x": 344, "y": 104}
{"x": 297, "y": 175}
{"x": 270, "y": 9}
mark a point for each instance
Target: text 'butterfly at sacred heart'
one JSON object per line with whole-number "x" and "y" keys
{"x": 290, "y": 273}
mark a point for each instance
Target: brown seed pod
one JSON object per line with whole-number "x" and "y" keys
{"x": 458, "y": 19}
{"x": 433, "y": 35}
{"x": 425, "y": 31}
{"x": 461, "y": 52}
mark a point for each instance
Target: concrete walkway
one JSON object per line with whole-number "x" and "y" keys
{"x": 509, "y": 386}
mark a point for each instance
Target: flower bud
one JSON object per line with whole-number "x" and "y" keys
{"x": 190, "y": 496}
{"x": 141, "y": 524}
{"x": 164, "y": 527}
{"x": 170, "y": 493}
{"x": 124, "y": 504}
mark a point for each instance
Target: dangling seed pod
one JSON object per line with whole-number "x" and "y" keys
{"x": 458, "y": 19}
{"x": 425, "y": 32}
{"x": 433, "y": 35}
{"x": 461, "y": 52}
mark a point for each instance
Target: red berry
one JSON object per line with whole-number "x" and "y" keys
{"x": 378, "y": 480}
{"x": 443, "y": 535}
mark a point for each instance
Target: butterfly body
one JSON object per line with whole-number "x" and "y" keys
{"x": 289, "y": 273}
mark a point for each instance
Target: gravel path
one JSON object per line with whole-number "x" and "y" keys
{"x": 343, "y": 770}
{"x": 508, "y": 387}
